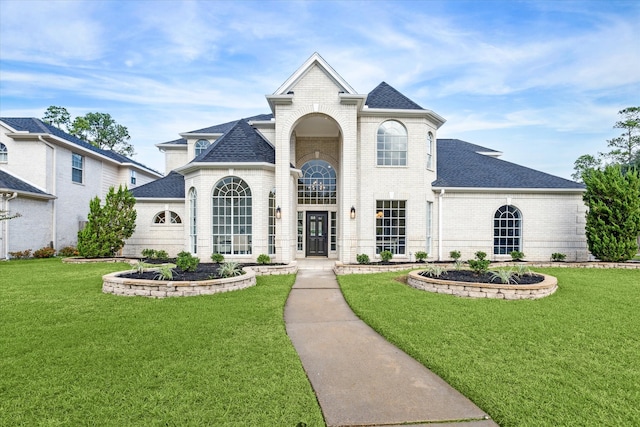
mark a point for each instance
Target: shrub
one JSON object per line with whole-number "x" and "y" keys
{"x": 557, "y": 256}
{"x": 516, "y": 255}
{"x": 187, "y": 262}
{"x": 435, "y": 270}
{"x": 68, "y": 251}
{"x": 264, "y": 259}
{"x": 480, "y": 265}
{"x": 506, "y": 276}
{"x": 45, "y": 252}
{"x": 217, "y": 258}
{"x": 421, "y": 256}
{"x": 21, "y": 254}
{"x": 162, "y": 254}
{"x": 455, "y": 255}
{"x": 165, "y": 272}
{"x": 362, "y": 258}
{"x": 386, "y": 256}
{"x": 149, "y": 253}
{"x": 230, "y": 269}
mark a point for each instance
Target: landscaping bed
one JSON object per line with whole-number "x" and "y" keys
{"x": 472, "y": 277}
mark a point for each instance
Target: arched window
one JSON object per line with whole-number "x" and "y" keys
{"x": 167, "y": 217}
{"x": 430, "y": 147}
{"x": 392, "y": 144}
{"x": 231, "y": 217}
{"x": 193, "y": 231}
{"x": 4, "y": 153}
{"x": 201, "y": 145}
{"x": 318, "y": 183}
{"x": 272, "y": 223}
{"x": 507, "y": 230}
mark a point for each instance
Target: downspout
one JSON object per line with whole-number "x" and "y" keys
{"x": 6, "y": 223}
{"x": 54, "y": 222}
{"x": 440, "y": 221}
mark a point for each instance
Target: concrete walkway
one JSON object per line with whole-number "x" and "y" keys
{"x": 360, "y": 379}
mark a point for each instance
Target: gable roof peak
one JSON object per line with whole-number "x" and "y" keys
{"x": 313, "y": 60}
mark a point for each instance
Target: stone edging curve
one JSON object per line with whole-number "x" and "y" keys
{"x": 484, "y": 290}
{"x": 112, "y": 283}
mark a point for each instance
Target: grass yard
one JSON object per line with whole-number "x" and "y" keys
{"x": 571, "y": 359}
{"x": 70, "y": 355}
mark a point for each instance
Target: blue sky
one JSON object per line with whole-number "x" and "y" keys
{"x": 541, "y": 81}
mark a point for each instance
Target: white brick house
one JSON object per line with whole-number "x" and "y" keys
{"x": 49, "y": 177}
{"x": 333, "y": 173}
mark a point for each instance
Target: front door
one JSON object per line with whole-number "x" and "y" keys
{"x": 317, "y": 242}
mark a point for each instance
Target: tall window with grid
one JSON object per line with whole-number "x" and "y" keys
{"x": 507, "y": 230}
{"x": 272, "y": 223}
{"x": 391, "y": 226}
{"x": 318, "y": 183}
{"x": 193, "y": 230}
{"x": 392, "y": 144}
{"x": 77, "y": 168}
{"x": 231, "y": 217}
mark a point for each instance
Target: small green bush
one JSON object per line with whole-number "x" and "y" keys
{"x": 149, "y": 253}
{"x": 421, "y": 256}
{"x": 230, "y": 269}
{"x": 217, "y": 258}
{"x": 479, "y": 265}
{"x": 162, "y": 254}
{"x": 21, "y": 254}
{"x": 362, "y": 259}
{"x": 264, "y": 259}
{"x": 45, "y": 252}
{"x": 68, "y": 251}
{"x": 187, "y": 262}
{"x": 386, "y": 256}
{"x": 557, "y": 256}
{"x": 455, "y": 255}
{"x": 517, "y": 255}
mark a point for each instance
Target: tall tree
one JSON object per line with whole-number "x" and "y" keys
{"x": 108, "y": 226}
{"x": 98, "y": 129}
{"x": 585, "y": 163}
{"x": 626, "y": 147}
{"x": 613, "y": 218}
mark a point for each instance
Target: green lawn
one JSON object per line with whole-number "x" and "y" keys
{"x": 70, "y": 355}
{"x": 571, "y": 359}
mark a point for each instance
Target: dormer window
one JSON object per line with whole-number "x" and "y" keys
{"x": 392, "y": 144}
{"x": 201, "y": 145}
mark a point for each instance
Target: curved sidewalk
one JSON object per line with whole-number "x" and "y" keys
{"x": 360, "y": 379}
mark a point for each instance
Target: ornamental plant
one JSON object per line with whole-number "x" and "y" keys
{"x": 187, "y": 262}
{"x": 165, "y": 272}
{"x": 557, "y": 256}
{"x": 455, "y": 255}
{"x": 230, "y": 269}
{"x": 362, "y": 259}
{"x": 479, "y": 265}
{"x": 386, "y": 256}
{"x": 149, "y": 253}
{"x": 613, "y": 218}
{"x": 264, "y": 259}
{"x": 45, "y": 252}
{"x": 68, "y": 251}
{"x": 506, "y": 276}
{"x": 217, "y": 258}
{"x": 421, "y": 256}
{"x": 162, "y": 254}
{"x": 516, "y": 255}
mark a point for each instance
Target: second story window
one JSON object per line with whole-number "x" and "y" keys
{"x": 392, "y": 144}
{"x": 430, "y": 150}
{"x": 77, "y": 168}
{"x": 133, "y": 178}
{"x": 4, "y": 153}
{"x": 201, "y": 145}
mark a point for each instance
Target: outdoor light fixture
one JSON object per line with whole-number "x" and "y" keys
{"x": 278, "y": 212}
{"x": 353, "y": 212}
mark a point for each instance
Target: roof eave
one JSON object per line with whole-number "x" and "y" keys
{"x": 159, "y": 199}
{"x": 191, "y": 167}
{"x": 29, "y": 194}
{"x": 507, "y": 190}
{"x": 378, "y": 112}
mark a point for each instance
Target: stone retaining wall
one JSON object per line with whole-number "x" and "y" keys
{"x": 484, "y": 290}
{"x": 342, "y": 269}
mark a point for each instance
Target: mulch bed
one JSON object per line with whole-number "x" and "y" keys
{"x": 471, "y": 277}
{"x": 205, "y": 271}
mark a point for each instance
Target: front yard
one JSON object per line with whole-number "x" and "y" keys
{"x": 570, "y": 359}
{"x": 70, "y": 355}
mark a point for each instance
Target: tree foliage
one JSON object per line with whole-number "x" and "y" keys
{"x": 613, "y": 218}
{"x": 108, "y": 226}
{"x": 99, "y": 129}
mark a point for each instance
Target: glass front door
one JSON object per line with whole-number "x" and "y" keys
{"x": 317, "y": 236}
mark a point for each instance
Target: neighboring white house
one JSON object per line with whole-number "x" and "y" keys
{"x": 334, "y": 173}
{"x": 49, "y": 177}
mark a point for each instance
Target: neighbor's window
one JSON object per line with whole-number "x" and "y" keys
{"x": 392, "y": 144}
{"x": 133, "y": 177}
{"x": 507, "y": 230}
{"x": 318, "y": 183}
{"x": 231, "y": 217}
{"x": 391, "y": 226}
{"x": 167, "y": 217}
{"x": 272, "y": 223}
{"x": 4, "y": 153}
{"x": 201, "y": 145}
{"x": 77, "y": 168}
{"x": 193, "y": 231}
{"x": 430, "y": 151}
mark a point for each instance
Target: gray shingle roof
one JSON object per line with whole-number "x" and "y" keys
{"x": 385, "y": 96}
{"x": 33, "y": 125}
{"x": 241, "y": 143}
{"x": 460, "y": 165}
{"x": 11, "y": 183}
{"x": 170, "y": 187}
